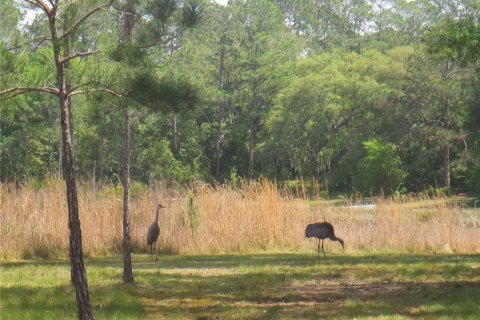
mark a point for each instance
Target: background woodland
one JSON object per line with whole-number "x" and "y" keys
{"x": 378, "y": 96}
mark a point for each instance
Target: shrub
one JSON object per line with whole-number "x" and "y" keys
{"x": 474, "y": 181}
{"x": 380, "y": 170}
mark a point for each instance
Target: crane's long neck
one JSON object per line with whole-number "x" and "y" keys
{"x": 339, "y": 240}
{"x": 156, "y": 214}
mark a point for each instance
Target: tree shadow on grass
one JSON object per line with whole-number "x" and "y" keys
{"x": 260, "y": 286}
{"x": 267, "y": 296}
{"x": 304, "y": 287}
{"x": 58, "y": 302}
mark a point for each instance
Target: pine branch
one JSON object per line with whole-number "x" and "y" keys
{"x": 41, "y": 4}
{"x": 110, "y": 91}
{"x": 41, "y": 38}
{"x": 12, "y": 92}
{"x": 80, "y": 54}
{"x": 85, "y": 17}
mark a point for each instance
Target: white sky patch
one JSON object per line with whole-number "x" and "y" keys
{"x": 222, "y": 2}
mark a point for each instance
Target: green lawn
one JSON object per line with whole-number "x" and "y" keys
{"x": 263, "y": 286}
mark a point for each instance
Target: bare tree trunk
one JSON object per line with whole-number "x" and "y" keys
{"x": 221, "y": 111}
{"x": 126, "y": 37}
{"x": 254, "y": 122}
{"x": 218, "y": 150}
{"x": 174, "y": 135}
{"x": 127, "y": 260}
{"x": 253, "y": 132}
{"x": 79, "y": 278}
{"x": 101, "y": 168}
{"x": 78, "y": 274}
{"x": 446, "y": 166}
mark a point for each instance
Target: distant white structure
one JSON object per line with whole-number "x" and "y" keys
{"x": 362, "y": 206}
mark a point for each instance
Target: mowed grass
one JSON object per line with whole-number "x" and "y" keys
{"x": 254, "y": 286}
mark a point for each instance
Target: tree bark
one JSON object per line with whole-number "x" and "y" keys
{"x": 126, "y": 37}
{"x": 174, "y": 135}
{"x": 78, "y": 274}
{"x": 446, "y": 166}
{"x": 101, "y": 168}
{"x": 255, "y": 120}
{"x": 253, "y": 131}
{"x": 221, "y": 111}
{"x": 127, "y": 257}
{"x": 218, "y": 150}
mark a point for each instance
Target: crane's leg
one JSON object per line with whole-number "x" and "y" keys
{"x": 318, "y": 249}
{"x": 151, "y": 251}
{"x": 323, "y": 251}
{"x": 155, "y": 248}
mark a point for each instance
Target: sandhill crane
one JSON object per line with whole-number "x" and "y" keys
{"x": 322, "y": 231}
{"x": 153, "y": 232}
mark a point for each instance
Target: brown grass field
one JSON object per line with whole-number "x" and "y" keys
{"x": 254, "y": 218}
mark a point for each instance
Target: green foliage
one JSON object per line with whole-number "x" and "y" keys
{"x": 235, "y": 179}
{"x": 158, "y": 162}
{"x": 10, "y": 15}
{"x": 300, "y": 84}
{"x": 161, "y": 10}
{"x": 193, "y": 212}
{"x": 456, "y": 39}
{"x": 163, "y": 94}
{"x": 380, "y": 170}
{"x": 326, "y": 111}
{"x": 474, "y": 181}
{"x": 28, "y": 148}
{"x": 129, "y": 54}
{"x": 436, "y": 192}
{"x": 192, "y": 13}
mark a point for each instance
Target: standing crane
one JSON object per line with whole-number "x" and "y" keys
{"x": 322, "y": 231}
{"x": 153, "y": 232}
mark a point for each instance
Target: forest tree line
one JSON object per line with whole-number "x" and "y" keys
{"x": 376, "y": 96}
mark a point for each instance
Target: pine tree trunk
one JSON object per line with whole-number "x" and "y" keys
{"x": 221, "y": 110}
{"x": 79, "y": 279}
{"x": 127, "y": 260}
{"x": 218, "y": 151}
{"x": 253, "y": 132}
{"x": 78, "y": 274}
{"x": 255, "y": 119}
{"x": 126, "y": 37}
{"x": 101, "y": 168}
{"x": 446, "y": 166}
{"x": 251, "y": 148}
{"x": 174, "y": 135}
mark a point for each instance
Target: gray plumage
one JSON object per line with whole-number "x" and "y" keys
{"x": 154, "y": 232}
{"x": 322, "y": 231}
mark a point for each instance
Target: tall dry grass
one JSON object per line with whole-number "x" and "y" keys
{"x": 221, "y": 220}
